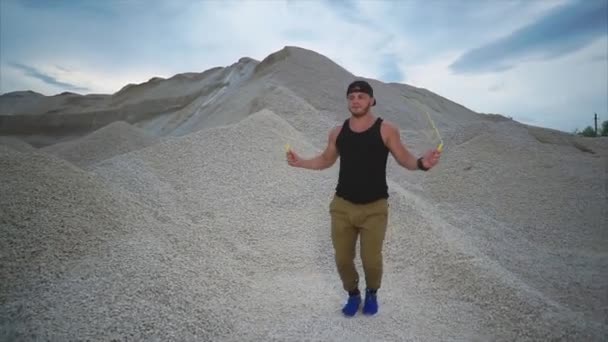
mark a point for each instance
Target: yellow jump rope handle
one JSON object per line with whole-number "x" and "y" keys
{"x": 440, "y": 147}
{"x": 287, "y": 148}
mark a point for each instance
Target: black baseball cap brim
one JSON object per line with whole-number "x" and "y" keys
{"x": 361, "y": 86}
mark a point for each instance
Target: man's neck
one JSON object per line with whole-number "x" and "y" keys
{"x": 362, "y": 122}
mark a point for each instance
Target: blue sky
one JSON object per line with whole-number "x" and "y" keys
{"x": 542, "y": 62}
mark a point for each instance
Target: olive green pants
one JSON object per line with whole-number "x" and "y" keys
{"x": 348, "y": 222}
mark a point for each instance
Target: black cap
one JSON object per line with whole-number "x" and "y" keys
{"x": 361, "y": 86}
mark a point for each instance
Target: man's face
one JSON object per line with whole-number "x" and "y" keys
{"x": 359, "y": 103}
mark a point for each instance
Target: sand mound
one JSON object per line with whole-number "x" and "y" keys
{"x": 18, "y": 101}
{"x": 311, "y": 76}
{"x": 218, "y": 96}
{"x": 169, "y": 277}
{"x": 16, "y": 144}
{"x": 220, "y": 88}
{"x": 52, "y": 213}
{"x": 584, "y": 144}
{"x": 31, "y": 103}
{"x": 75, "y": 254}
{"x": 321, "y": 83}
{"x": 301, "y": 115}
{"x": 116, "y": 138}
{"x": 211, "y": 236}
{"x": 539, "y": 210}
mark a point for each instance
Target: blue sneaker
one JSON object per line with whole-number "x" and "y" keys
{"x": 371, "y": 303}
{"x": 352, "y": 305}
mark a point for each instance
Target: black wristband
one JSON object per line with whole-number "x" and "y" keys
{"x": 420, "y": 166}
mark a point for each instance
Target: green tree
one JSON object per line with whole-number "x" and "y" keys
{"x": 604, "y": 130}
{"x": 588, "y": 132}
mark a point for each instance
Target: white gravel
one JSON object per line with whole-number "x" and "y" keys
{"x": 16, "y": 144}
{"x": 94, "y": 147}
{"x": 210, "y": 236}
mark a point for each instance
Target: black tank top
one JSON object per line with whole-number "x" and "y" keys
{"x": 363, "y": 157}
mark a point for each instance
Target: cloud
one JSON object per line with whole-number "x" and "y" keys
{"x": 497, "y": 87}
{"x": 367, "y": 38}
{"x": 51, "y": 78}
{"x": 347, "y": 9}
{"x": 48, "y": 79}
{"x": 89, "y": 8}
{"x": 102, "y": 46}
{"x": 600, "y": 57}
{"x": 539, "y": 89}
{"x": 131, "y": 38}
{"x": 565, "y": 30}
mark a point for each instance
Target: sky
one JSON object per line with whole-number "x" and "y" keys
{"x": 541, "y": 62}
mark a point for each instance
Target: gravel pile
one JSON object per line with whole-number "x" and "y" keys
{"x": 116, "y": 138}
{"x": 211, "y": 236}
{"x": 84, "y": 261}
{"x": 538, "y": 210}
{"x": 16, "y": 144}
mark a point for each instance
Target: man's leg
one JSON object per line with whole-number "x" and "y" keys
{"x": 373, "y": 231}
{"x": 344, "y": 238}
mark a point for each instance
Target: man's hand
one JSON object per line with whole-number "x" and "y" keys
{"x": 293, "y": 159}
{"x": 431, "y": 158}
{"x": 322, "y": 161}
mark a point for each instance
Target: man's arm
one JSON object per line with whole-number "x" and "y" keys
{"x": 398, "y": 150}
{"x": 324, "y": 160}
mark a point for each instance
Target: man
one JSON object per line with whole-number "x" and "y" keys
{"x": 360, "y": 202}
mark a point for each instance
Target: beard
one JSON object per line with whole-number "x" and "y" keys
{"x": 361, "y": 111}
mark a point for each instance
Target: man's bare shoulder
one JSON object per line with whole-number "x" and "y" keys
{"x": 334, "y": 132}
{"x": 388, "y": 129}
{"x": 387, "y": 124}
